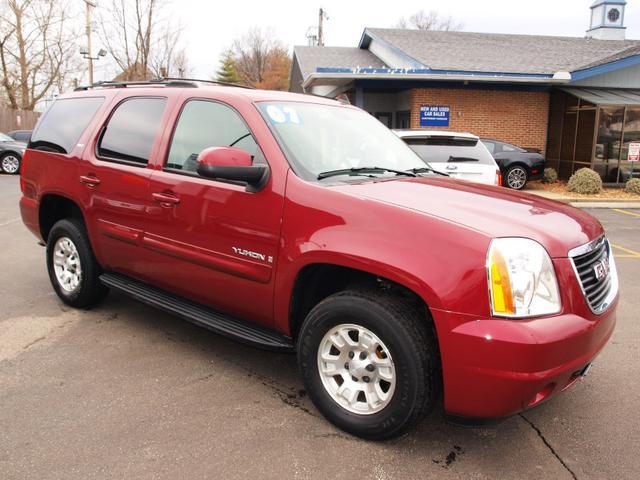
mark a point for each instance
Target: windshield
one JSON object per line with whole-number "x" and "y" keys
{"x": 322, "y": 138}
{"x": 5, "y": 138}
{"x": 450, "y": 150}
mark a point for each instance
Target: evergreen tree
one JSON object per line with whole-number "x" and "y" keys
{"x": 227, "y": 72}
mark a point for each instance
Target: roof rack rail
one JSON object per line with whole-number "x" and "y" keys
{"x": 165, "y": 81}
{"x": 214, "y": 82}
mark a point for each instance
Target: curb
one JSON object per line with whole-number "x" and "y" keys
{"x": 591, "y": 203}
{"x": 609, "y": 204}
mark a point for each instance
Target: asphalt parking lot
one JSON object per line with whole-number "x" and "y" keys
{"x": 126, "y": 391}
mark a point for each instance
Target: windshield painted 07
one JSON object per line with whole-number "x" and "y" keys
{"x": 323, "y": 138}
{"x": 5, "y": 138}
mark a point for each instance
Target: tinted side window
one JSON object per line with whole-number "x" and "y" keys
{"x": 132, "y": 129}
{"x": 23, "y": 136}
{"x": 490, "y": 146}
{"x": 204, "y": 124}
{"x": 61, "y": 126}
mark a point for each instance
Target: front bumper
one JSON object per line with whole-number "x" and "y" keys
{"x": 496, "y": 367}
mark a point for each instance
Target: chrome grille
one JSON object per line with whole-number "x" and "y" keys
{"x": 596, "y": 272}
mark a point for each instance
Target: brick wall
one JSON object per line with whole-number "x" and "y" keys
{"x": 517, "y": 117}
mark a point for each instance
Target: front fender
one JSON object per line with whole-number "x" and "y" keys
{"x": 442, "y": 262}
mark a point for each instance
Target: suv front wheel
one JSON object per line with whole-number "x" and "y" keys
{"x": 369, "y": 362}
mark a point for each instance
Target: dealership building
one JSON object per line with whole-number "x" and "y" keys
{"x": 575, "y": 99}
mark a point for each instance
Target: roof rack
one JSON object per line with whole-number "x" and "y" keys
{"x": 165, "y": 81}
{"x": 214, "y": 82}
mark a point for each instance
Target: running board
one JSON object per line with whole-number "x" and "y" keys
{"x": 220, "y": 323}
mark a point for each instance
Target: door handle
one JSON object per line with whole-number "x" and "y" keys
{"x": 166, "y": 199}
{"x": 89, "y": 180}
{"x": 452, "y": 167}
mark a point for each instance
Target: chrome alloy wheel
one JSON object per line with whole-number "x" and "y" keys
{"x": 516, "y": 178}
{"x": 10, "y": 164}
{"x": 356, "y": 369}
{"x": 66, "y": 264}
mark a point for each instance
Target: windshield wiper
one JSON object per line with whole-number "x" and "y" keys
{"x": 428, "y": 169}
{"x": 462, "y": 159}
{"x": 363, "y": 170}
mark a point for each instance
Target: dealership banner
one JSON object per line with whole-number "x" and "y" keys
{"x": 434, "y": 115}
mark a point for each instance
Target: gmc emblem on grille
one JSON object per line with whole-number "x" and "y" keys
{"x": 601, "y": 269}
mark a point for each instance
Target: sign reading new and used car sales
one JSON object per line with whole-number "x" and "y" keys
{"x": 434, "y": 115}
{"x": 634, "y": 152}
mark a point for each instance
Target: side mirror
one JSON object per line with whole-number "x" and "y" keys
{"x": 230, "y": 163}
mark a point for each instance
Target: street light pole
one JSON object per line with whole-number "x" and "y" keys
{"x": 89, "y": 5}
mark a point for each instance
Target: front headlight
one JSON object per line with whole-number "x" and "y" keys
{"x": 522, "y": 281}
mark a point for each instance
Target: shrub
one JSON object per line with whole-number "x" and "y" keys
{"x": 633, "y": 186}
{"x": 550, "y": 175}
{"x": 585, "y": 181}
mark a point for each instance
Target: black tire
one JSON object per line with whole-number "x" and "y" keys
{"x": 12, "y": 170}
{"x": 90, "y": 291}
{"x": 411, "y": 341}
{"x": 516, "y": 177}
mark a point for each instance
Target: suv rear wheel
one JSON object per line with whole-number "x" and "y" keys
{"x": 73, "y": 269}
{"x": 369, "y": 361}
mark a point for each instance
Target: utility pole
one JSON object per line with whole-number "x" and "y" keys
{"x": 89, "y": 5}
{"x": 321, "y": 16}
{"x": 315, "y": 34}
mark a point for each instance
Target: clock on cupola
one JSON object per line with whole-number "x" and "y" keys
{"x": 607, "y": 20}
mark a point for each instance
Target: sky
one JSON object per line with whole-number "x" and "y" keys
{"x": 210, "y": 26}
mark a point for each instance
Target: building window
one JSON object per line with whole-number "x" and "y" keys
{"x": 385, "y": 118}
{"x": 403, "y": 119}
{"x": 631, "y": 133}
{"x": 609, "y": 136}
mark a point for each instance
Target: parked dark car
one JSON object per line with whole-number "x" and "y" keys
{"x": 518, "y": 165}
{"x": 20, "y": 135}
{"x": 11, "y": 153}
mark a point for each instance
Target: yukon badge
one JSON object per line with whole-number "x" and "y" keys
{"x": 254, "y": 255}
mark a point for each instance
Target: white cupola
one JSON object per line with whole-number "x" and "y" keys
{"x": 607, "y": 20}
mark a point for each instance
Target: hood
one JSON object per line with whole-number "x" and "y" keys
{"x": 494, "y": 211}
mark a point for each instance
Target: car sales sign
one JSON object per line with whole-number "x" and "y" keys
{"x": 434, "y": 115}
{"x": 634, "y": 152}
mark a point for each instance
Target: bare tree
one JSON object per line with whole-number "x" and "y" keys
{"x": 422, "y": 20}
{"x": 168, "y": 57}
{"x": 36, "y": 48}
{"x": 180, "y": 64}
{"x": 142, "y": 42}
{"x": 261, "y": 60}
{"x": 127, "y": 26}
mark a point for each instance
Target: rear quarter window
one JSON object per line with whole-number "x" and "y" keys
{"x": 64, "y": 122}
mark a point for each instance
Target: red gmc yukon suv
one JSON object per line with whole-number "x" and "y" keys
{"x": 297, "y": 223}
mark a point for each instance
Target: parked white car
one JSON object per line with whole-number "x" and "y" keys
{"x": 461, "y": 155}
